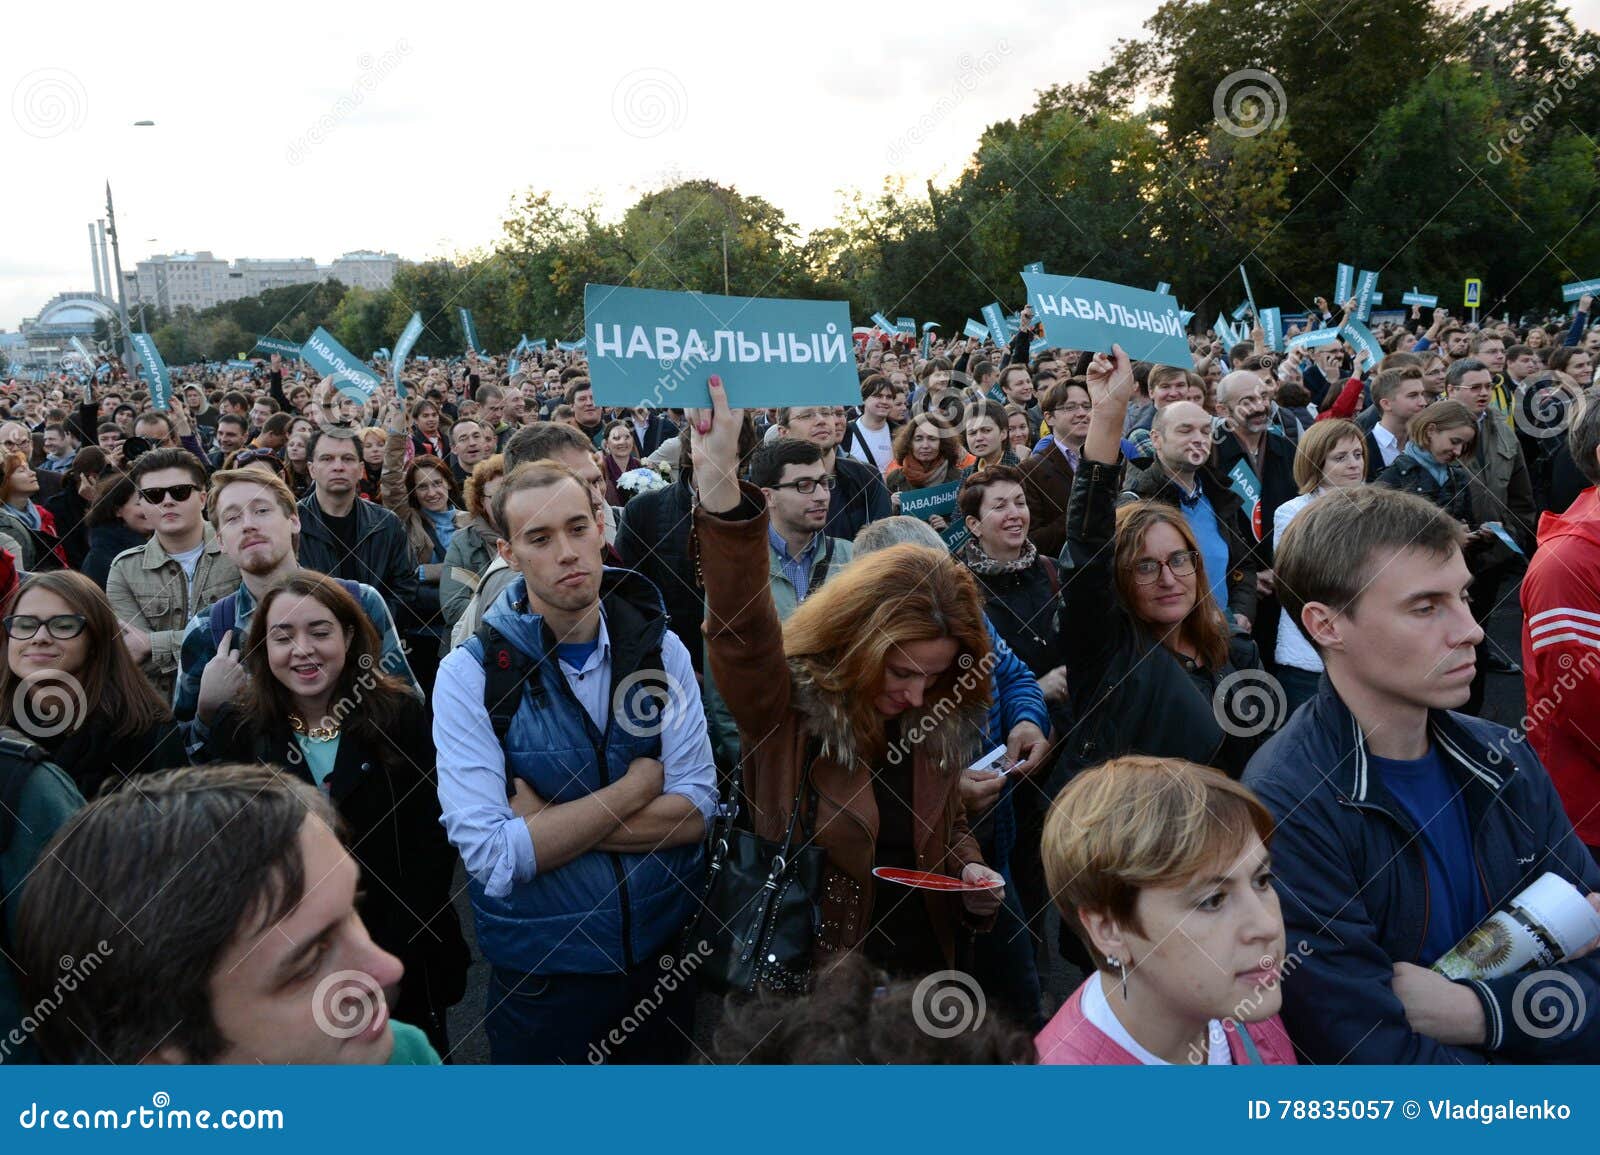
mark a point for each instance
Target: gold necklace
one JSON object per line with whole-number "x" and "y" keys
{"x": 315, "y": 733}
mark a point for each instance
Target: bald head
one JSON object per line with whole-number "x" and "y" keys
{"x": 1181, "y": 437}
{"x": 1237, "y": 383}
{"x": 1245, "y": 398}
{"x": 1178, "y": 413}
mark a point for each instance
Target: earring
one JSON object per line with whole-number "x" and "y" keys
{"x": 1122, "y": 970}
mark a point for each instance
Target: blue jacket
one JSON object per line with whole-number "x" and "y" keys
{"x": 603, "y": 912}
{"x": 1350, "y": 874}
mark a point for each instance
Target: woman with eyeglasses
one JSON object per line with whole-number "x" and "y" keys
{"x": 117, "y": 521}
{"x": 32, "y": 526}
{"x": 1149, "y": 658}
{"x": 71, "y": 685}
{"x": 320, "y": 705}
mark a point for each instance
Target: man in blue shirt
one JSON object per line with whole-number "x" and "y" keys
{"x": 1400, "y": 823}
{"x": 583, "y": 879}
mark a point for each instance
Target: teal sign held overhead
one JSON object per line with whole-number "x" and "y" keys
{"x": 1344, "y": 282}
{"x": 1080, "y": 313}
{"x": 1312, "y": 340}
{"x": 350, "y": 375}
{"x": 1272, "y": 327}
{"x": 994, "y": 315}
{"x": 1580, "y": 289}
{"x": 155, "y": 370}
{"x": 648, "y": 344}
{"x": 1358, "y": 335}
{"x": 1426, "y": 300}
{"x": 1366, "y": 286}
{"x": 471, "y": 331}
{"x": 976, "y": 329}
{"x": 402, "y": 349}
{"x": 278, "y": 345}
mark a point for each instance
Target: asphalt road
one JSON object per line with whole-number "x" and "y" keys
{"x": 1503, "y": 703}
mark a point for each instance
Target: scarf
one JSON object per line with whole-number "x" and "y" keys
{"x": 920, "y": 476}
{"x": 28, "y": 515}
{"x": 980, "y": 563}
{"x": 444, "y": 528}
{"x": 1436, "y": 469}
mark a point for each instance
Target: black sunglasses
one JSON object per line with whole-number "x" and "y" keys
{"x": 247, "y": 456}
{"x": 156, "y": 494}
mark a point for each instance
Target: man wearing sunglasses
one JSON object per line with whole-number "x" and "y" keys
{"x": 157, "y": 587}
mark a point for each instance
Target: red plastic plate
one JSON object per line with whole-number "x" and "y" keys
{"x": 923, "y": 880}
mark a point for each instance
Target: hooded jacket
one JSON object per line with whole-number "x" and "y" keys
{"x": 1561, "y": 657}
{"x": 779, "y": 708}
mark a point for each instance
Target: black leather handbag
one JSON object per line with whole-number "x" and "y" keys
{"x": 759, "y": 916}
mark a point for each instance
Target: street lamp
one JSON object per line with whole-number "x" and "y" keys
{"x": 116, "y": 255}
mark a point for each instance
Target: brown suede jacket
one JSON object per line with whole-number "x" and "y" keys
{"x": 778, "y": 707}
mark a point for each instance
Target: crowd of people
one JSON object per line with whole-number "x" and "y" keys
{"x": 283, "y": 661}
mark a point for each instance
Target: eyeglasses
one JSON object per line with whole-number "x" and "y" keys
{"x": 23, "y": 627}
{"x": 1182, "y": 563}
{"x": 156, "y": 494}
{"x": 1075, "y": 407}
{"x": 807, "y": 485}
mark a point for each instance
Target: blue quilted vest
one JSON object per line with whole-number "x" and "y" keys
{"x": 601, "y": 913}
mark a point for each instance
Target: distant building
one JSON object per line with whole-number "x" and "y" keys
{"x": 200, "y": 280}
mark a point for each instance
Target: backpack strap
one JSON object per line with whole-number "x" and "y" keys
{"x": 1054, "y": 576}
{"x": 508, "y": 674}
{"x": 224, "y": 612}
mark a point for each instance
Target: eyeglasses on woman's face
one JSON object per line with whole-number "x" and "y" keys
{"x": 24, "y": 627}
{"x": 1182, "y": 563}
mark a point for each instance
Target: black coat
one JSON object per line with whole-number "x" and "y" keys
{"x": 387, "y": 795}
{"x": 1277, "y": 486}
{"x": 653, "y": 539}
{"x": 105, "y": 543}
{"x": 97, "y": 760}
{"x": 1130, "y": 694}
{"x": 1155, "y": 484}
{"x": 1408, "y": 475}
{"x": 1022, "y": 607}
{"x": 859, "y": 497}
{"x": 381, "y": 558}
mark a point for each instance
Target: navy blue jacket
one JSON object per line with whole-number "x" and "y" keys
{"x": 1350, "y": 873}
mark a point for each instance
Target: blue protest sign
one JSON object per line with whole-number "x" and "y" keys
{"x": 649, "y": 343}
{"x": 936, "y": 500}
{"x": 1241, "y": 310}
{"x": 332, "y": 359}
{"x": 1164, "y": 288}
{"x": 1580, "y": 289}
{"x": 1272, "y": 327}
{"x": 278, "y": 345}
{"x": 1224, "y": 332}
{"x": 885, "y": 325}
{"x": 1249, "y": 294}
{"x": 155, "y": 370}
{"x": 976, "y": 329}
{"x": 402, "y": 349}
{"x": 1312, "y": 340}
{"x": 1426, "y": 300}
{"x": 1366, "y": 285}
{"x": 1358, "y": 335}
{"x": 573, "y": 346}
{"x": 994, "y": 315}
{"x": 1079, "y": 313}
{"x": 906, "y": 325}
{"x": 1033, "y": 267}
{"x": 470, "y": 330}
{"x": 1343, "y": 284}
{"x": 1185, "y": 316}
{"x": 1377, "y": 298}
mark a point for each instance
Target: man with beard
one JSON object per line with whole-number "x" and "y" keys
{"x": 256, "y": 518}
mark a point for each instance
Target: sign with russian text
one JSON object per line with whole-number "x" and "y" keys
{"x": 1224, "y": 332}
{"x": 1079, "y": 313}
{"x": 1272, "y": 327}
{"x": 155, "y": 369}
{"x": 1580, "y": 289}
{"x": 1344, "y": 282}
{"x": 976, "y": 329}
{"x": 1361, "y": 338}
{"x": 1366, "y": 285}
{"x": 350, "y": 375}
{"x": 885, "y": 325}
{"x": 1426, "y": 300}
{"x": 936, "y": 500}
{"x": 470, "y": 330}
{"x": 1312, "y": 340}
{"x": 906, "y": 325}
{"x": 649, "y": 344}
{"x": 278, "y": 345}
{"x": 994, "y": 315}
{"x": 402, "y": 349}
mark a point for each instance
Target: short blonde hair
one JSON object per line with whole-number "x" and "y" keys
{"x": 1135, "y": 822}
{"x": 269, "y": 481}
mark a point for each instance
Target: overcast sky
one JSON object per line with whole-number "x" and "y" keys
{"x": 309, "y": 129}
